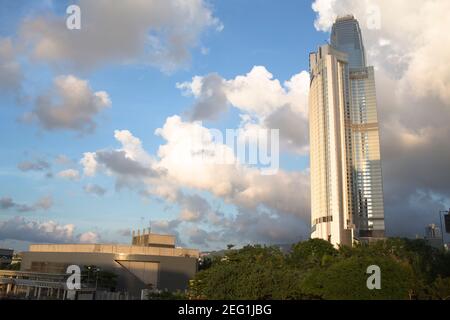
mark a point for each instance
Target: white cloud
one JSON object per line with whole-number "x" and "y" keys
{"x": 94, "y": 189}
{"x": 18, "y": 228}
{"x": 132, "y": 147}
{"x": 192, "y": 88}
{"x": 44, "y": 203}
{"x": 158, "y": 32}
{"x": 245, "y": 227}
{"x": 327, "y": 14}
{"x": 11, "y": 74}
{"x": 70, "y": 174}
{"x": 89, "y": 237}
{"x": 283, "y": 194}
{"x": 38, "y": 165}
{"x": 281, "y": 200}
{"x": 187, "y": 215}
{"x": 257, "y": 92}
{"x": 265, "y": 102}
{"x": 21, "y": 229}
{"x": 70, "y": 105}
{"x": 89, "y": 164}
{"x": 131, "y": 165}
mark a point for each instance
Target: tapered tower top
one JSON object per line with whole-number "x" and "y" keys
{"x": 346, "y": 37}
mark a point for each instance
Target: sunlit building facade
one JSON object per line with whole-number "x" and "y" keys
{"x": 346, "y": 178}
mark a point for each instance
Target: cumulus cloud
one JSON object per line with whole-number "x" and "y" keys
{"x": 21, "y": 229}
{"x": 94, "y": 189}
{"x": 70, "y": 174}
{"x": 89, "y": 164}
{"x": 282, "y": 194}
{"x": 194, "y": 208}
{"x": 245, "y": 227}
{"x": 266, "y": 227}
{"x": 45, "y": 203}
{"x": 182, "y": 164}
{"x": 71, "y": 104}
{"x": 7, "y": 203}
{"x": 265, "y": 102}
{"x": 119, "y": 163}
{"x": 11, "y": 75}
{"x": 159, "y": 32}
{"x": 131, "y": 165}
{"x": 211, "y": 100}
{"x": 413, "y": 91}
{"x": 235, "y": 183}
{"x": 38, "y": 165}
{"x": 89, "y": 237}
{"x": 257, "y": 92}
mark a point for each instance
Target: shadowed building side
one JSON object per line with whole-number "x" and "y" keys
{"x": 152, "y": 263}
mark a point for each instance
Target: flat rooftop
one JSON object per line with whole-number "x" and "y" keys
{"x": 115, "y": 249}
{"x": 345, "y": 18}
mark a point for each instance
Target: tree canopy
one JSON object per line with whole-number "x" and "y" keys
{"x": 314, "y": 269}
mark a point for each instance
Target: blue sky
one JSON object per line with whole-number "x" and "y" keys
{"x": 254, "y": 33}
{"x": 277, "y": 35}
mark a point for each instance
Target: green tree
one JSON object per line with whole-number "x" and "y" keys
{"x": 94, "y": 276}
{"x": 166, "y": 295}
{"x": 438, "y": 290}
{"x": 254, "y": 272}
{"x": 13, "y": 266}
{"x": 312, "y": 253}
{"x": 314, "y": 269}
{"x": 346, "y": 280}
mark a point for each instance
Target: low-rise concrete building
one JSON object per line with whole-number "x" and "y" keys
{"x": 153, "y": 262}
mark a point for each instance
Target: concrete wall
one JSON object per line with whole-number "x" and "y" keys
{"x": 116, "y": 249}
{"x": 153, "y": 239}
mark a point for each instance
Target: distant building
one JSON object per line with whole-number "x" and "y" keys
{"x": 6, "y": 256}
{"x": 432, "y": 232}
{"x": 151, "y": 262}
{"x": 433, "y": 236}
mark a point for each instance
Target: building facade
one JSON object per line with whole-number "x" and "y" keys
{"x": 152, "y": 262}
{"x": 346, "y": 179}
{"x": 433, "y": 236}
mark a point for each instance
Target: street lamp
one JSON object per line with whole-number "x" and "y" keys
{"x": 96, "y": 278}
{"x": 89, "y": 272}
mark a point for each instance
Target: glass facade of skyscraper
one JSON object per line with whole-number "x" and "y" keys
{"x": 346, "y": 179}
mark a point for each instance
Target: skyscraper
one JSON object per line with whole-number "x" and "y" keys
{"x": 346, "y": 179}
